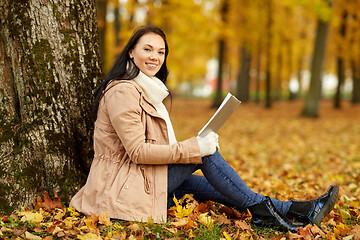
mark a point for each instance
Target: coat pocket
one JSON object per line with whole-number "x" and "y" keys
{"x": 135, "y": 193}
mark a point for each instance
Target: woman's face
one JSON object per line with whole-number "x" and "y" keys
{"x": 149, "y": 53}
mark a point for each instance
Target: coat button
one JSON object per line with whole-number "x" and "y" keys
{"x": 126, "y": 187}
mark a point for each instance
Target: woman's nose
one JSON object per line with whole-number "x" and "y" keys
{"x": 153, "y": 56}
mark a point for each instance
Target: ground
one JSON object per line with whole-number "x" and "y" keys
{"x": 275, "y": 151}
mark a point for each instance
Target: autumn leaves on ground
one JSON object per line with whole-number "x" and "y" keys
{"x": 275, "y": 151}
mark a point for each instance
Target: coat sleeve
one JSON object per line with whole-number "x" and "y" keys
{"x": 124, "y": 111}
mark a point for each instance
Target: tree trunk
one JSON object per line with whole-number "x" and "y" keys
{"x": 341, "y": 79}
{"x": 268, "y": 57}
{"x": 356, "y": 82}
{"x": 314, "y": 93}
{"x": 101, "y": 17}
{"x": 243, "y": 81}
{"x": 222, "y": 48}
{"x": 117, "y": 24}
{"x": 218, "y": 94}
{"x": 340, "y": 65}
{"x": 258, "y": 72}
{"x": 49, "y": 64}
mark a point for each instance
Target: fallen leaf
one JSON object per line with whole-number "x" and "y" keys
{"x": 73, "y": 211}
{"x": 206, "y": 220}
{"x": 49, "y": 203}
{"x": 104, "y": 220}
{"x": 134, "y": 227}
{"x": 34, "y": 217}
{"x": 180, "y": 222}
{"x": 293, "y": 236}
{"x": 18, "y": 232}
{"x": 242, "y": 225}
{"x": 222, "y": 220}
{"x": 60, "y": 214}
{"x": 30, "y": 236}
{"x": 89, "y": 236}
{"x": 89, "y": 223}
{"x": 181, "y": 211}
{"x": 356, "y": 232}
{"x": 57, "y": 230}
{"x": 227, "y": 237}
{"x": 317, "y": 231}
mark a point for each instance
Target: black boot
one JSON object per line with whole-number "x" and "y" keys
{"x": 315, "y": 210}
{"x": 265, "y": 214}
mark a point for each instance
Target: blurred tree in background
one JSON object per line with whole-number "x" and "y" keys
{"x": 269, "y": 46}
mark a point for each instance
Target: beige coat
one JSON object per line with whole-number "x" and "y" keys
{"x": 128, "y": 175}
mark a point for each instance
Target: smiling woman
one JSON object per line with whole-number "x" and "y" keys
{"x": 149, "y": 54}
{"x": 139, "y": 165}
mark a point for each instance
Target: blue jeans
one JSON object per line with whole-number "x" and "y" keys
{"x": 220, "y": 183}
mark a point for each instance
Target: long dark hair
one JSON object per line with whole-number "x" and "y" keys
{"x": 119, "y": 70}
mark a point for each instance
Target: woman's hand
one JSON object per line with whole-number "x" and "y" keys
{"x": 208, "y": 144}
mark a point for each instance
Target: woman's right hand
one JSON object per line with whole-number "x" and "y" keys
{"x": 208, "y": 144}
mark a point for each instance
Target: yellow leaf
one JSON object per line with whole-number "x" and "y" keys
{"x": 89, "y": 223}
{"x": 206, "y": 220}
{"x": 227, "y": 237}
{"x": 31, "y": 236}
{"x": 134, "y": 227}
{"x": 191, "y": 235}
{"x": 56, "y": 230}
{"x": 73, "y": 212}
{"x": 104, "y": 220}
{"x": 180, "y": 210}
{"x": 89, "y": 236}
{"x": 68, "y": 222}
{"x": 345, "y": 214}
{"x": 31, "y": 217}
{"x": 150, "y": 220}
{"x": 171, "y": 230}
{"x": 180, "y": 222}
{"x": 341, "y": 230}
{"x": 60, "y": 214}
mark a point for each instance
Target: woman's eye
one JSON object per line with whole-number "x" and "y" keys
{"x": 147, "y": 49}
{"x": 161, "y": 53}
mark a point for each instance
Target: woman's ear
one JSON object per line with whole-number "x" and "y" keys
{"x": 130, "y": 54}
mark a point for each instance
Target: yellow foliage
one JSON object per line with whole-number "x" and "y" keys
{"x": 89, "y": 236}
{"x": 180, "y": 210}
{"x": 31, "y": 236}
{"x": 104, "y": 219}
{"x": 73, "y": 212}
{"x": 89, "y": 223}
{"x": 34, "y": 217}
{"x": 227, "y": 237}
{"x": 206, "y": 220}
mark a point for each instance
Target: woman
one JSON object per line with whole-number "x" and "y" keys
{"x": 138, "y": 164}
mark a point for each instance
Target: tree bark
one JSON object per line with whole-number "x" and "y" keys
{"x": 222, "y": 47}
{"x": 355, "y": 99}
{"x": 314, "y": 93}
{"x": 268, "y": 57}
{"x": 49, "y": 64}
{"x": 101, "y": 17}
{"x": 243, "y": 81}
{"x": 340, "y": 65}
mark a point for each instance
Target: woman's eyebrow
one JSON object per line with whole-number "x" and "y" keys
{"x": 153, "y": 47}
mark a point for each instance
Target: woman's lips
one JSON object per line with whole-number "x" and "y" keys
{"x": 151, "y": 65}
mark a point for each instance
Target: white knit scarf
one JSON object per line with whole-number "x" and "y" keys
{"x": 156, "y": 91}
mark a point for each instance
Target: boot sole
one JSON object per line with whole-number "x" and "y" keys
{"x": 329, "y": 205}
